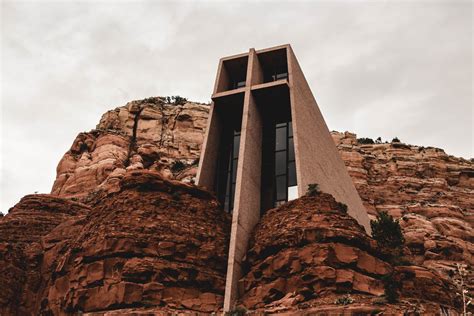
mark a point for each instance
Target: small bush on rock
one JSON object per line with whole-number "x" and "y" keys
{"x": 460, "y": 279}
{"x": 313, "y": 189}
{"x": 387, "y": 232}
{"x": 395, "y": 140}
{"x": 177, "y": 166}
{"x": 391, "y": 287}
{"x": 364, "y": 140}
{"x": 342, "y": 207}
{"x": 344, "y": 300}
{"x": 176, "y": 100}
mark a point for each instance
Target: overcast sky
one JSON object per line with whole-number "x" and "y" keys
{"x": 376, "y": 68}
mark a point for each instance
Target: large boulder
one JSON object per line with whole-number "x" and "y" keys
{"x": 309, "y": 252}
{"x": 155, "y": 243}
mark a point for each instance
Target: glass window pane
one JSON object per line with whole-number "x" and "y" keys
{"x": 227, "y": 190}
{"x": 280, "y": 138}
{"x": 281, "y": 188}
{"x": 281, "y": 125}
{"x": 226, "y": 203}
{"x": 290, "y": 129}
{"x": 291, "y": 173}
{"x": 292, "y": 192}
{"x": 236, "y": 145}
{"x": 291, "y": 149}
{"x": 281, "y": 76}
{"x": 234, "y": 170}
{"x": 280, "y": 163}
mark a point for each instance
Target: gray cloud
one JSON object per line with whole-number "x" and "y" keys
{"x": 392, "y": 68}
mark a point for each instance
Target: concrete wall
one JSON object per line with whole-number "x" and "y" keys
{"x": 317, "y": 158}
{"x": 206, "y": 174}
{"x": 246, "y": 212}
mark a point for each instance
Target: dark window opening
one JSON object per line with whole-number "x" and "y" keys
{"x": 285, "y": 167}
{"x": 228, "y": 173}
{"x": 234, "y": 74}
{"x": 274, "y": 65}
{"x": 237, "y": 84}
{"x": 275, "y": 75}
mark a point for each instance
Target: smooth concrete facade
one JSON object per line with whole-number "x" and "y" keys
{"x": 317, "y": 158}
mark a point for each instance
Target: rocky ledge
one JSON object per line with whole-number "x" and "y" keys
{"x": 155, "y": 242}
{"x": 308, "y": 253}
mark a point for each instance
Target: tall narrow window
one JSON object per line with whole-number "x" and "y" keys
{"x": 285, "y": 169}
{"x": 231, "y": 175}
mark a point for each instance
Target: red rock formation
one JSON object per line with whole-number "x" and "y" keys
{"x": 308, "y": 252}
{"x": 430, "y": 191}
{"x": 21, "y": 248}
{"x": 115, "y": 252}
{"x": 153, "y": 243}
{"x": 148, "y": 134}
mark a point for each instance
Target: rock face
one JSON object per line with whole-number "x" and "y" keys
{"x": 148, "y": 134}
{"x": 120, "y": 233}
{"x": 320, "y": 253}
{"x": 22, "y": 250}
{"x": 155, "y": 242}
{"x": 430, "y": 191}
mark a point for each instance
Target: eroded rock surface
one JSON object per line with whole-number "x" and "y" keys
{"x": 309, "y": 251}
{"x": 147, "y": 134}
{"x": 429, "y": 191}
{"x": 115, "y": 235}
{"x": 22, "y": 248}
{"x": 155, "y": 242}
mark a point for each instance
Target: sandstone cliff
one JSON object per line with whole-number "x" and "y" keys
{"x": 154, "y": 242}
{"x": 148, "y": 134}
{"x": 321, "y": 252}
{"x": 119, "y": 232}
{"x": 429, "y": 189}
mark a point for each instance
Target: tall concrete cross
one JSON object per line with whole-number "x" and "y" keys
{"x": 266, "y": 141}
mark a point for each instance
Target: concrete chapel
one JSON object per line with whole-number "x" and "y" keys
{"x": 265, "y": 142}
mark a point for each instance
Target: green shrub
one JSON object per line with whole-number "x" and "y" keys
{"x": 378, "y": 140}
{"x": 176, "y": 100}
{"x": 313, "y": 189}
{"x": 342, "y": 207}
{"x": 344, "y": 300}
{"x": 177, "y": 166}
{"x": 387, "y": 231}
{"x": 391, "y": 288}
{"x": 395, "y": 140}
{"x": 364, "y": 140}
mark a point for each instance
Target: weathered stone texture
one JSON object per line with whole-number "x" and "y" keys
{"x": 429, "y": 191}
{"x": 155, "y": 242}
{"x": 147, "y": 134}
{"x": 136, "y": 242}
{"x": 22, "y": 248}
{"x": 309, "y": 251}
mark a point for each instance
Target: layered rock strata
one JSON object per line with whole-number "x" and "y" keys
{"x": 429, "y": 191}
{"x": 147, "y": 134}
{"x": 22, "y": 250}
{"x": 308, "y": 252}
{"x": 155, "y": 242}
{"x": 50, "y": 261}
